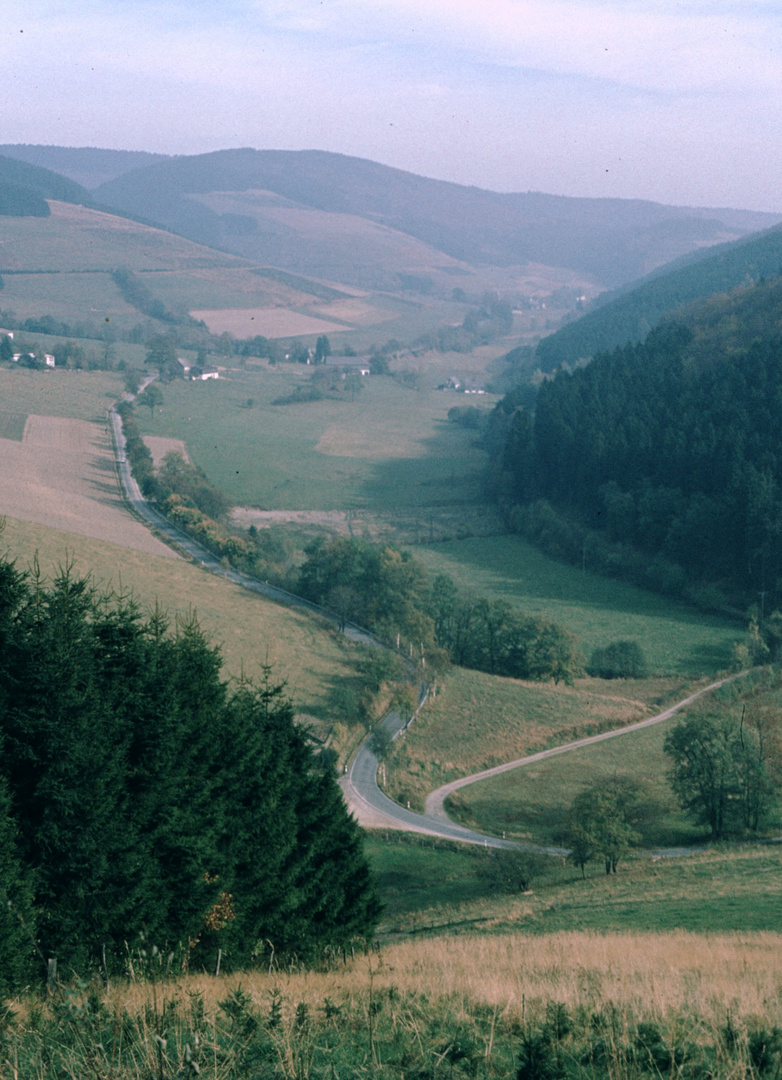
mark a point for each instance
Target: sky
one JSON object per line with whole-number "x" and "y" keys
{"x": 680, "y": 102}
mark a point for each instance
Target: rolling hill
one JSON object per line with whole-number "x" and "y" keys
{"x": 86, "y": 165}
{"x": 61, "y": 265}
{"x": 610, "y": 241}
{"x": 25, "y": 188}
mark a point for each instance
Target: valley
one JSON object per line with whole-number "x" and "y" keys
{"x": 407, "y": 500}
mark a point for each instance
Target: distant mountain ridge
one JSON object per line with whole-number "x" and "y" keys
{"x": 611, "y": 240}
{"x": 350, "y": 220}
{"x": 87, "y": 165}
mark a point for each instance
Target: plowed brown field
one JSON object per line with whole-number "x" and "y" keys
{"x": 62, "y": 475}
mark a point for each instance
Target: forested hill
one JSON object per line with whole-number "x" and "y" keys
{"x": 25, "y": 188}
{"x": 629, "y": 316}
{"x": 673, "y": 446}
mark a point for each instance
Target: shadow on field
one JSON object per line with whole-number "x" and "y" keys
{"x": 448, "y": 472}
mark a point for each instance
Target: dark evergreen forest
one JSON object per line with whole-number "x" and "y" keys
{"x": 141, "y": 795}
{"x": 668, "y": 447}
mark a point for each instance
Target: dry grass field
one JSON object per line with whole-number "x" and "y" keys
{"x": 271, "y": 322}
{"x": 249, "y": 630}
{"x": 62, "y": 475}
{"x": 657, "y": 977}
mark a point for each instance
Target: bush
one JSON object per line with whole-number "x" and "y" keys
{"x": 619, "y": 660}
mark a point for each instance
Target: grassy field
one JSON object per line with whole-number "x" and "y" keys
{"x": 532, "y": 802}
{"x": 249, "y": 630}
{"x": 569, "y": 1004}
{"x": 431, "y": 887}
{"x": 676, "y": 639}
{"x": 81, "y": 395}
{"x": 390, "y": 447}
{"x": 479, "y": 720}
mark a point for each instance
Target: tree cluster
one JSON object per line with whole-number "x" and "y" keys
{"x": 391, "y": 593}
{"x": 139, "y": 794}
{"x": 603, "y": 820}
{"x": 137, "y": 293}
{"x": 721, "y": 771}
{"x": 619, "y": 660}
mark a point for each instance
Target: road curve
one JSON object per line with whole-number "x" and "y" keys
{"x": 434, "y": 807}
{"x": 373, "y": 809}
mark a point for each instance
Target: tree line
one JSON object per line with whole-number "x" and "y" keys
{"x": 141, "y": 794}
{"x": 390, "y": 592}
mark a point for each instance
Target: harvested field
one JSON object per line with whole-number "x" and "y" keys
{"x": 159, "y": 446}
{"x": 62, "y": 475}
{"x": 274, "y": 322}
{"x": 356, "y": 311}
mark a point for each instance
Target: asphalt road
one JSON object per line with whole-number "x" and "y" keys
{"x": 373, "y": 809}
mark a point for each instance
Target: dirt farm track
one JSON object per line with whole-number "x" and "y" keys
{"x": 62, "y": 475}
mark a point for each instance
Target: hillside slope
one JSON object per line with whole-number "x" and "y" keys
{"x": 25, "y": 188}
{"x": 87, "y": 165}
{"x": 611, "y": 240}
{"x": 671, "y": 446}
{"x": 629, "y": 316}
{"x": 61, "y": 265}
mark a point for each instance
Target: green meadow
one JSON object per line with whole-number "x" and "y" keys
{"x": 81, "y": 395}
{"x": 434, "y": 888}
{"x": 390, "y": 447}
{"x": 676, "y": 638}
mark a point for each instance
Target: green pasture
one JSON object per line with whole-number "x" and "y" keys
{"x": 227, "y": 287}
{"x": 531, "y": 803}
{"x": 478, "y": 720}
{"x": 70, "y": 297}
{"x": 390, "y": 447}
{"x": 676, "y": 639}
{"x": 432, "y": 887}
{"x": 249, "y": 630}
{"x": 82, "y": 395}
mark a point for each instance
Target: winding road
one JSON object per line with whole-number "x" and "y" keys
{"x": 374, "y": 810}
{"x": 370, "y": 806}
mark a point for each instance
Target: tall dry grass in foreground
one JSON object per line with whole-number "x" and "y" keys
{"x": 569, "y": 1006}
{"x": 650, "y": 975}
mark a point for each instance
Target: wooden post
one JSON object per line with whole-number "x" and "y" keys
{"x": 51, "y": 975}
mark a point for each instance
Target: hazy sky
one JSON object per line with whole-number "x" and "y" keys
{"x": 679, "y": 102}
